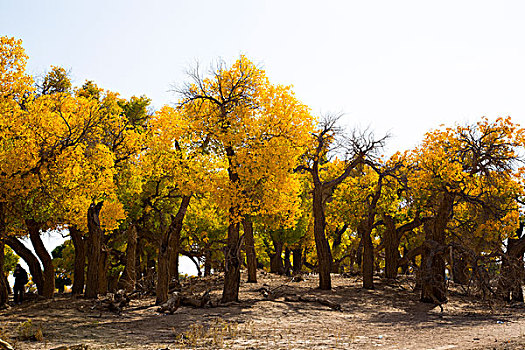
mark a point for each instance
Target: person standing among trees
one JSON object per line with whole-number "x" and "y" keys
{"x": 21, "y": 280}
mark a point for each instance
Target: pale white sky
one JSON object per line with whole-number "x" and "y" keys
{"x": 402, "y": 67}
{"x": 398, "y": 66}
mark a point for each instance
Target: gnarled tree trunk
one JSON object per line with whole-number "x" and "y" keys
{"x": 173, "y": 232}
{"x": 391, "y": 243}
{"x": 510, "y": 286}
{"x": 232, "y": 265}
{"x": 324, "y": 255}
{"x": 44, "y": 256}
{"x": 79, "y": 270}
{"x": 31, "y": 260}
{"x": 297, "y": 260}
{"x": 232, "y": 254}
{"x": 103, "y": 267}
{"x": 433, "y": 284}
{"x": 368, "y": 255}
{"x": 249, "y": 246}
{"x": 276, "y": 259}
{"x": 94, "y": 250}
{"x": 287, "y": 262}
{"x": 459, "y": 268}
{"x": 207, "y": 262}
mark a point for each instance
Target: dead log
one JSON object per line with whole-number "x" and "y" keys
{"x": 311, "y": 299}
{"x": 113, "y": 303}
{"x": 272, "y": 293}
{"x": 178, "y": 299}
{"x": 171, "y": 305}
{"x": 196, "y": 301}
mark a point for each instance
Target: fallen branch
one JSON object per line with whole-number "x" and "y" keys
{"x": 309, "y": 299}
{"x": 114, "y": 303}
{"x": 178, "y": 299}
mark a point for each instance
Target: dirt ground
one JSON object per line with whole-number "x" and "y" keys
{"x": 389, "y": 317}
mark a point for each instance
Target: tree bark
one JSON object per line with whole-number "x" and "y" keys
{"x": 129, "y": 275}
{"x": 297, "y": 260}
{"x": 459, "y": 269}
{"x": 287, "y": 262}
{"x": 338, "y": 234}
{"x": 232, "y": 265}
{"x": 31, "y": 260}
{"x": 94, "y": 250}
{"x": 174, "y": 260}
{"x": 163, "y": 273}
{"x": 44, "y": 256}
{"x": 249, "y": 246}
{"x": 79, "y": 270}
{"x": 232, "y": 256}
{"x": 276, "y": 259}
{"x": 433, "y": 284}
{"x": 321, "y": 243}
{"x": 207, "y": 262}
{"x": 368, "y": 256}
{"x": 103, "y": 268}
{"x": 391, "y": 248}
{"x": 512, "y": 271}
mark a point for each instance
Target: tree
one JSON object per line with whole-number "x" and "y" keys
{"x": 356, "y": 149}
{"x": 242, "y": 118}
{"x": 464, "y": 165}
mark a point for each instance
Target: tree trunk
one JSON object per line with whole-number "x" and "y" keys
{"x": 232, "y": 265}
{"x": 368, "y": 256}
{"x": 207, "y": 262}
{"x": 172, "y": 233}
{"x": 163, "y": 271}
{"x": 459, "y": 269}
{"x": 297, "y": 260}
{"x": 276, "y": 259}
{"x": 129, "y": 275}
{"x": 79, "y": 271}
{"x": 4, "y": 296}
{"x": 31, "y": 260}
{"x": 512, "y": 271}
{"x": 174, "y": 245}
{"x": 359, "y": 255}
{"x": 174, "y": 261}
{"x": 391, "y": 243}
{"x": 232, "y": 254}
{"x": 287, "y": 263}
{"x": 103, "y": 267}
{"x": 321, "y": 243}
{"x": 249, "y": 246}
{"x": 44, "y": 256}
{"x": 94, "y": 250}
{"x": 404, "y": 265}
{"x": 433, "y": 287}
{"x": 433, "y": 264}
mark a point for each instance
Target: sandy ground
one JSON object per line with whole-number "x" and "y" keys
{"x": 389, "y": 317}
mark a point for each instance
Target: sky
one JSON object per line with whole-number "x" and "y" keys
{"x": 395, "y": 67}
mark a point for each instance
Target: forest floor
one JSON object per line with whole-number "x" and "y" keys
{"x": 388, "y": 317}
